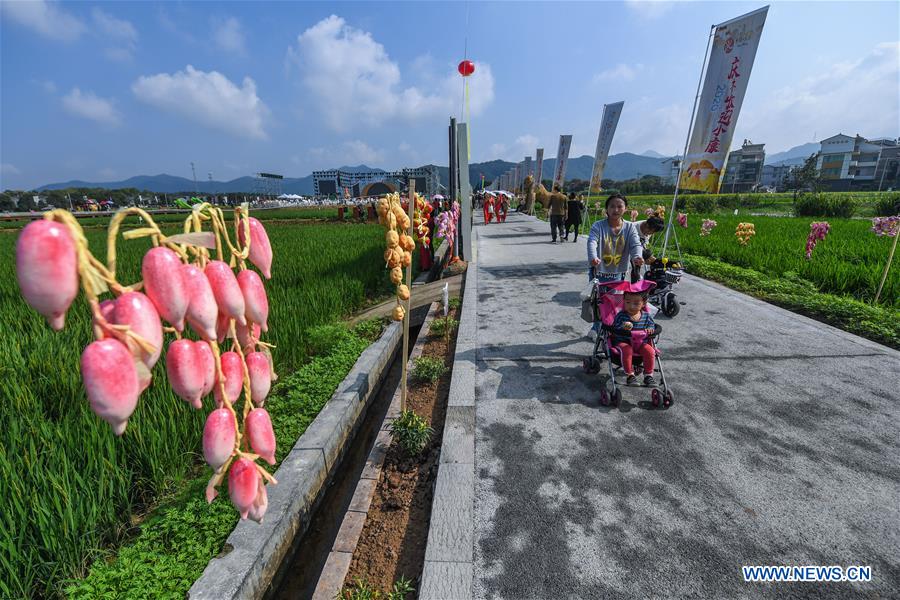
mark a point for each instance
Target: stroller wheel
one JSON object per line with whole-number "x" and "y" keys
{"x": 591, "y": 365}
{"x": 668, "y": 399}
{"x": 616, "y": 397}
{"x": 604, "y": 397}
{"x": 655, "y": 398}
{"x": 670, "y": 305}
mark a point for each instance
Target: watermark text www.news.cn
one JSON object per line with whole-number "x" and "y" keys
{"x": 809, "y": 573}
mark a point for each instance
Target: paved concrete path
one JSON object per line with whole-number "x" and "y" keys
{"x": 783, "y": 446}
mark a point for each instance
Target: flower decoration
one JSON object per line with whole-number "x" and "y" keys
{"x": 682, "y": 220}
{"x": 744, "y": 232}
{"x": 888, "y": 226}
{"x": 817, "y": 232}
{"x": 707, "y": 226}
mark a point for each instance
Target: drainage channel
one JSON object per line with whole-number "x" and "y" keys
{"x": 299, "y": 572}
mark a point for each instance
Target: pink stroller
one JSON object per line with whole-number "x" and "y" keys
{"x": 606, "y": 305}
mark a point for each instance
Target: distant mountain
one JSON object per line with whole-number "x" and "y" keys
{"x": 619, "y": 166}
{"x": 795, "y": 156}
{"x": 652, "y": 154}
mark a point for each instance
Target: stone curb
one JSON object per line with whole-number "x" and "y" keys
{"x": 254, "y": 552}
{"x": 448, "y": 556}
{"x": 331, "y": 581}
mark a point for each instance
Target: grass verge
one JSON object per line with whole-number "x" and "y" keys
{"x": 174, "y": 544}
{"x": 877, "y": 323}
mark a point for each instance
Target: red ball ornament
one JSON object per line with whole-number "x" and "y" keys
{"x": 466, "y": 68}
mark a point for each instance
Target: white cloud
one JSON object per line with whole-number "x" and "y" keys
{"x": 826, "y": 104}
{"x": 524, "y": 145}
{"x": 107, "y": 173}
{"x": 645, "y": 125}
{"x": 90, "y": 106}
{"x": 650, "y": 9}
{"x": 619, "y": 73}
{"x": 207, "y": 98}
{"x": 228, "y": 35}
{"x": 45, "y": 18}
{"x": 353, "y": 80}
{"x": 111, "y": 26}
{"x": 351, "y": 153}
{"x": 9, "y": 169}
{"x": 122, "y": 32}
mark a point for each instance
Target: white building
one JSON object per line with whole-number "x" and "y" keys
{"x": 846, "y": 162}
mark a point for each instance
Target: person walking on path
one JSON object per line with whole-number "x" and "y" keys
{"x": 488, "y": 209}
{"x": 575, "y": 208}
{"x": 646, "y": 229}
{"x": 502, "y": 210}
{"x": 557, "y": 211}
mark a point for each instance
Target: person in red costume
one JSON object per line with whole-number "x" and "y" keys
{"x": 488, "y": 209}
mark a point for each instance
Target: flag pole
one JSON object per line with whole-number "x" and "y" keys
{"x": 687, "y": 141}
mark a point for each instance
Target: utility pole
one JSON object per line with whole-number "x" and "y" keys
{"x": 210, "y": 184}
{"x": 194, "y": 172}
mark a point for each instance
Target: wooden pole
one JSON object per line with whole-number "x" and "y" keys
{"x": 411, "y": 209}
{"x": 887, "y": 267}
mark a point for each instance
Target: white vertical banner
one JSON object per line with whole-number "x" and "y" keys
{"x": 528, "y": 170}
{"x": 562, "y": 157}
{"x": 730, "y": 61}
{"x": 539, "y": 166}
{"x": 611, "y": 113}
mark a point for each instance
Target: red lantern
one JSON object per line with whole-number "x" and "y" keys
{"x": 466, "y": 68}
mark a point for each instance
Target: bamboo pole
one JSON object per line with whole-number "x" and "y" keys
{"x": 887, "y": 267}
{"x": 411, "y": 209}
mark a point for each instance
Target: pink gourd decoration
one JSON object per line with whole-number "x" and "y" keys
{"x": 247, "y": 335}
{"x": 46, "y": 267}
{"x": 226, "y": 290}
{"x": 260, "y": 377}
{"x": 208, "y": 360}
{"x": 219, "y": 435}
{"x": 260, "y": 503}
{"x": 164, "y": 283}
{"x": 111, "y": 382}
{"x": 138, "y": 312}
{"x": 202, "y": 310}
{"x": 222, "y": 323}
{"x": 233, "y": 370}
{"x": 255, "y": 300}
{"x": 260, "y": 248}
{"x": 243, "y": 485}
{"x": 262, "y": 437}
{"x": 184, "y": 366}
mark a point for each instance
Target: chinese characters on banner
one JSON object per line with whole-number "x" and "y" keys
{"x": 539, "y": 166}
{"x": 562, "y": 157}
{"x": 611, "y": 114}
{"x": 733, "y": 50}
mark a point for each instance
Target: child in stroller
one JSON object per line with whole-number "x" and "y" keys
{"x": 627, "y": 340}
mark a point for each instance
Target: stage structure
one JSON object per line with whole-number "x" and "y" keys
{"x": 267, "y": 185}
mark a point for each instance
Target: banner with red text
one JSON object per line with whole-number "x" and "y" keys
{"x": 730, "y": 61}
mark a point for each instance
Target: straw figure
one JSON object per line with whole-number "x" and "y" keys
{"x": 528, "y": 187}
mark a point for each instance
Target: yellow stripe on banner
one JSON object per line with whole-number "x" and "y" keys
{"x": 468, "y": 125}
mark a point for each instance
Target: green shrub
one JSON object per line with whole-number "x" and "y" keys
{"x": 363, "y": 590}
{"x": 444, "y": 327}
{"x": 702, "y": 204}
{"x": 411, "y": 432}
{"x": 821, "y": 205}
{"x": 728, "y": 201}
{"x": 455, "y": 303}
{"x": 429, "y": 368}
{"x": 320, "y": 339}
{"x": 888, "y": 205}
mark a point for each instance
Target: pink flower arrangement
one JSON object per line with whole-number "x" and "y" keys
{"x": 707, "y": 226}
{"x": 817, "y": 232}
{"x": 649, "y": 212}
{"x": 682, "y": 220}
{"x": 634, "y": 214}
{"x": 888, "y": 226}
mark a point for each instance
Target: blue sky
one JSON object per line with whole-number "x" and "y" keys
{"x": 102, "y": 91}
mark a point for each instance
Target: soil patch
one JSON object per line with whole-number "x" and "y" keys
{"x": 392, "y": 543}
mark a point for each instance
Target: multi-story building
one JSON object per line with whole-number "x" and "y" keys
{"x": 744, "y": 168}
{"x": 846, "y": 163}
{"x": 887, "y": 171}
{"x": 333, "y": 182}
{"x": 674, "y": 168}
{"x": 776, "y": 177}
